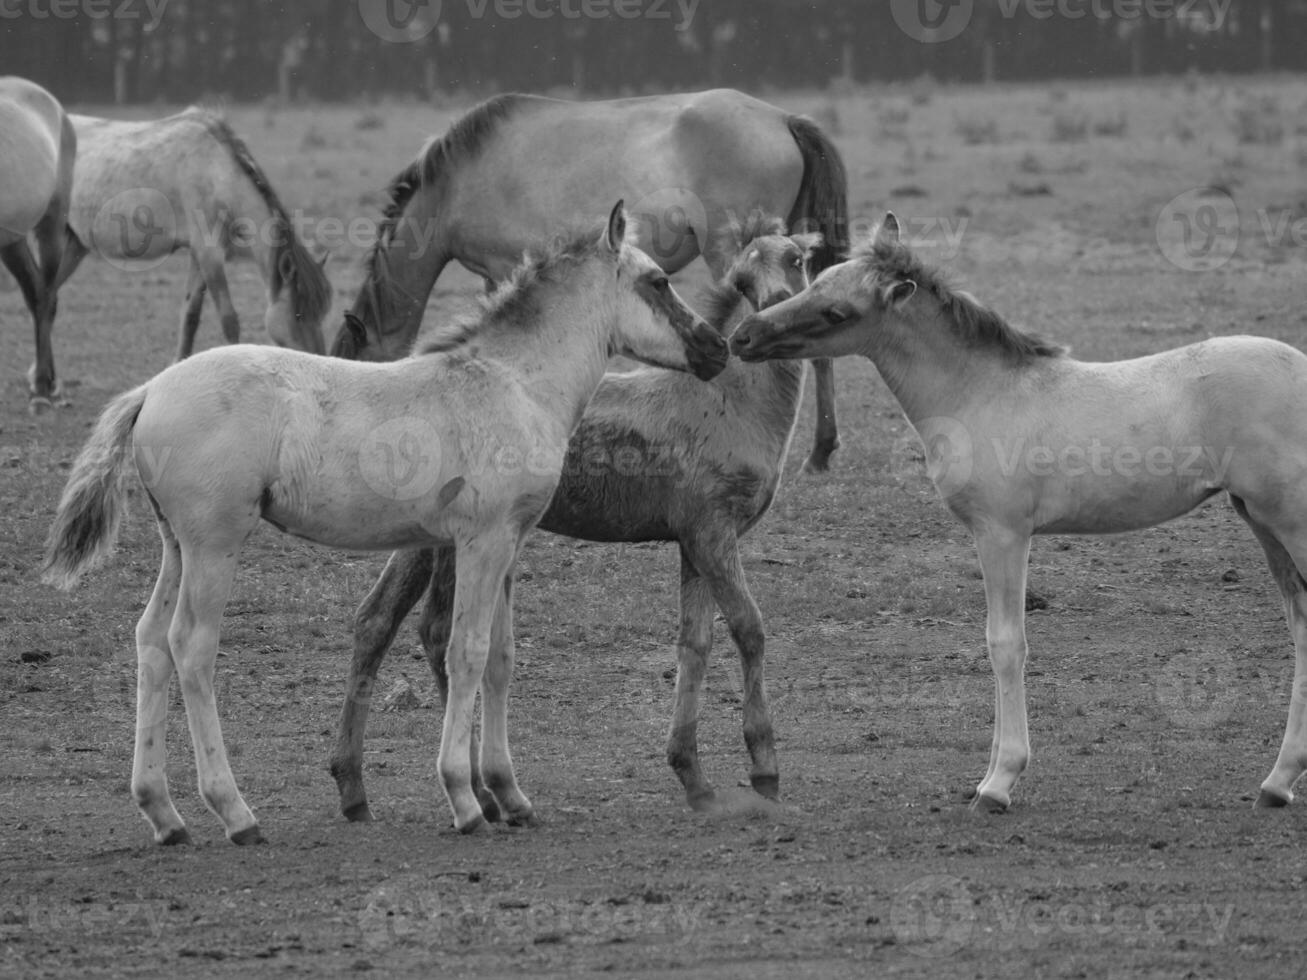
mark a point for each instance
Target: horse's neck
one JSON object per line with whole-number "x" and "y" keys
{"x": 926, "y": 367}
{"x": 768, "y": 393}
{"x": 414, "y": 257}
{"x": 560, "y": 357}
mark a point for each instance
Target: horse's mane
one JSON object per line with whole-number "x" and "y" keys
{"x": 515, "y": 303}
{"x": 463, "y": 141}
{"x": 719, "y": 300}
{"x": 976, "y": 324}
{"x": 311, "y": 297}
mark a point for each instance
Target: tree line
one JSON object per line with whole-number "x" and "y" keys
{"x": 180, "y": 51}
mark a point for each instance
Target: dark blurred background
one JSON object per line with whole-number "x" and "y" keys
{"x": 184, "y": 50}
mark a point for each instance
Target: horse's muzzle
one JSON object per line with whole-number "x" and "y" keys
{"x": 707, "y": 353}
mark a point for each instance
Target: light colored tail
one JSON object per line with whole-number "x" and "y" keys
{"x": 86, "y": 525}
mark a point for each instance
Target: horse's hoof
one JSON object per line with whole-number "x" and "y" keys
{"x": 1268, "y": 799}
{"x": 473, "y": 826}
{"x": 250, "y": 835}
{"x": 358, "y": 813}
{"x": 702, "y": 800}
{"x": 814, "y": 464}
{"x": 984, "y": 803}
{"x": 767, "y": 786}
{"x": 178, "y": 835}
{"x": 490, "y": 807}
{"x": 39, "y": 405}
{"x": 526, "y": 818}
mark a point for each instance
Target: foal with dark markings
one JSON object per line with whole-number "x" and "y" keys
{"x": 1228, "y": 414}
{"x": 511, "y": 169}
{"x": 249, "y": 433}
{"x": 713, "y": 457}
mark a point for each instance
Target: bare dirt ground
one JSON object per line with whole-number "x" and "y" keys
{"x": 1159, "y": 673}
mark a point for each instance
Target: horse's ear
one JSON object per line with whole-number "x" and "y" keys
{"x": 898, "y": 293}
{"x": 616, "y": 233}
{"x": 809, "y": 241}
{"x": 888, "y": 232}
{"x": 352, "y": 338}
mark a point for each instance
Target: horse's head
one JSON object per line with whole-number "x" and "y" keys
{"x": 299, "y": 296}
{"x": 833, "y": 315}
{"x": 653, "y": 324}
{"x": 771, "y": 268}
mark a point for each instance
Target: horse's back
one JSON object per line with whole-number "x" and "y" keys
{"x": 680, "y": 161}
{"x": 31, "y": 148}
{"x": 160, "y": 164}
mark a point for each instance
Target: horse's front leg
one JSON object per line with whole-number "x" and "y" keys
{"x": 496, "y": 761}
{"x": 692, "y": 664}
{"x": 376, "y": 622}
{"x": 1003, "y": 558}
{"x": 210, "y": 263}
{"x": 481, "y": 564}
{"x": 191, "y": 309}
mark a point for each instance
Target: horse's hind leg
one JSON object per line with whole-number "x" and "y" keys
{"x": 434, "y": 629}
{"x": 191, "y": 310}
{"x": 18, "y": 259}
{"x": 692, "y": 664}
{"x": 205, "y": 587}
{"x": 154, "y": 667}
{"x": 1277, "y": 788}
{"x": 827, "y": 437}
{"x": 376, "y": 622}
{"x": 1003, "y": 558}
{"x": 496, "y": 760}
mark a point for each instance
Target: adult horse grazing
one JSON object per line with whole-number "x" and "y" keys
{"x": 699, "y": 466}
{"x": 147, "y": 189}
{"x": 515, "y": 166}
{"x": 1021, "y": 439}
{"x": 37, "y": 149}
{"x": 310, "y": 445}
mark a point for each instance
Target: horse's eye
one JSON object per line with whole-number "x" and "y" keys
{"x": 797, "y": 262}
{"x": 835, "y": 315}
{"x": 662, "y": 285}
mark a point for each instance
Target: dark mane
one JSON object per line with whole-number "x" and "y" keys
{"x": 311, "y": 295}
{"x": 977, "y": 324}
{"x": 515, "y": 304}
{"x": 463, "y": 141}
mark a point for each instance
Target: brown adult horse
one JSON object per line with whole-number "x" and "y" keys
{"x": 37, "y": 148}
{"x": 517, "y": 166}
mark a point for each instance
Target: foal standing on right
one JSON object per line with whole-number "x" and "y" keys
{"x": 1022, "y": 440}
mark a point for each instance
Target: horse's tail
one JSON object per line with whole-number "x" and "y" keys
{"x": 823, "y": 201}
{"x": 86, "y": 524}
